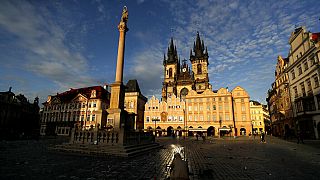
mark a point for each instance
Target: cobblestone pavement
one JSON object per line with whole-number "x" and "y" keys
{"x": 228, "y": 158}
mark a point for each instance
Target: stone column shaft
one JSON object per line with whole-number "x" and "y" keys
{"x": 120, "y": 58}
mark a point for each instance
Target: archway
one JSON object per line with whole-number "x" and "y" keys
{"x": 242, "y": 131}
{"x": 159, "y": 131}
{"x": 211, "y": 131}
{"x": 169, "y": 131}
{"x": 190, "y": 133}
{"x": 179, "y": 131}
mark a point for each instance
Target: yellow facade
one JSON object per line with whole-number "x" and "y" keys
{"x": 210, "y": 113}
{"x": 257, "y": 117}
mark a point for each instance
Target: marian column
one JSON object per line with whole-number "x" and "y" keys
{"x": 117, "y": 115}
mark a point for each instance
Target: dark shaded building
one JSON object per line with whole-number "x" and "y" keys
{"x": 18, "y": 117}
{"x": 134, "y": 103}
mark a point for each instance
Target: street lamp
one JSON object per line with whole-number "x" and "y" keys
{"x": 155, "y": 124}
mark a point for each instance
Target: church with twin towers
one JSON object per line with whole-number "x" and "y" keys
{"x": 189, "y": 105}
{"x": 179, "y": 79}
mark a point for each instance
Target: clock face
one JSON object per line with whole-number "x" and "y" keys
{"x": 184, "y": 69}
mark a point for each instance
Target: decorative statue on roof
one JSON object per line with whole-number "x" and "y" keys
{"x": 124, "y": 17}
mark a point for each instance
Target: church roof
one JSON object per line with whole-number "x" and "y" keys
{"x": 132, "y": 86}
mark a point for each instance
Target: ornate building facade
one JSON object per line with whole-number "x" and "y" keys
{"x": 188, "y": 103}
{"x": 300, "y": 84}
{"x": 86, "y": 108}
{"x": 280, "y": 106}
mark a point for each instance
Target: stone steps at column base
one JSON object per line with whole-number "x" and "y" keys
{"x": 106, "y": 150}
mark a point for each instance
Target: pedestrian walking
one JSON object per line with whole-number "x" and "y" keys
{"x": 179, "y": 168}
{"x": 300, "y": 137}
{"x": 262, "y": 137}
{"x": 203, "y": 139}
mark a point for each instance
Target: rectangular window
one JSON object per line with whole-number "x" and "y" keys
{"x": 208, "y": 118}
{"x": 201, "y": 118}
{"x": 196, "y": 108}
{"x": 220, "y": 117}
{"x": 214, "y": 107}
{"x": 208, "y": 108}
{"x": 90, "y": 105}
{"x": 316, "y": 81}
{"x": 309, "y": 88}
{"x": 220, "y": 107}
{"x": 94, "y": 104}
{"x": 93, "y": 117}
{"x": 148, "y": 119}
{"x": 227, "y": 117}
{"x": 293, "y": 75}
{"x": 190, "y": 118}
{"x": 190, "y": 108}
{"x": 312, "y": 60}
{"x": 195, "y": 118}
{"x": 243, "y": 108}
{"x": 88, "y": 117}
{"x": 295, "y": 90}
{"x": 305, "y": 64}
{"x": 214, "y": 118}
{"x": 200, "y": 108}
{"x": 243, "y": 117}
{"x": 180, "y": 118}
{"x": 299, "y": 70}
{"x": 226, "y": 107}
{"x": 82, "y": 117}
{"x": 303, "y": 90}
{"x": 83, "y": 105}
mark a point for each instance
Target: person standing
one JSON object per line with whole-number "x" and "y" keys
{"x": 262, "y": 137}
{"x": 300, "y": 137}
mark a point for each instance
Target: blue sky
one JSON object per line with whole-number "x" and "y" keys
{"x": 51, "y": 46}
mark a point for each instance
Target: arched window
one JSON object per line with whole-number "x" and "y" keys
{"x": 199, "y": 68}
{"x": 170, "y": 72}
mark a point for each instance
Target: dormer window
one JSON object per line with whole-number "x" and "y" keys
{"x": 93, "y": 94}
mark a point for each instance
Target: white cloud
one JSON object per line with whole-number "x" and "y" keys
{"x": 44, "y": 41}
{"x": 241, "y": 34}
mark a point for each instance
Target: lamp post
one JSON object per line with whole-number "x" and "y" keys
{"x": 155, "y": 125}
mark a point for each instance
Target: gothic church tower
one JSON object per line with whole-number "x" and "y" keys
{"x": 171, "y": 65}
{"x": 199, "y": 60}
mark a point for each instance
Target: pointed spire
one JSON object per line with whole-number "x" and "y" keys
{"x": 202, "y": 45}
{"x": 171, "y": 44}
{"x": 172, "y": 54}
{"x": 206, "y": 52}
{"x": 190, "y": 52}
{"x": 199, "y": 47}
